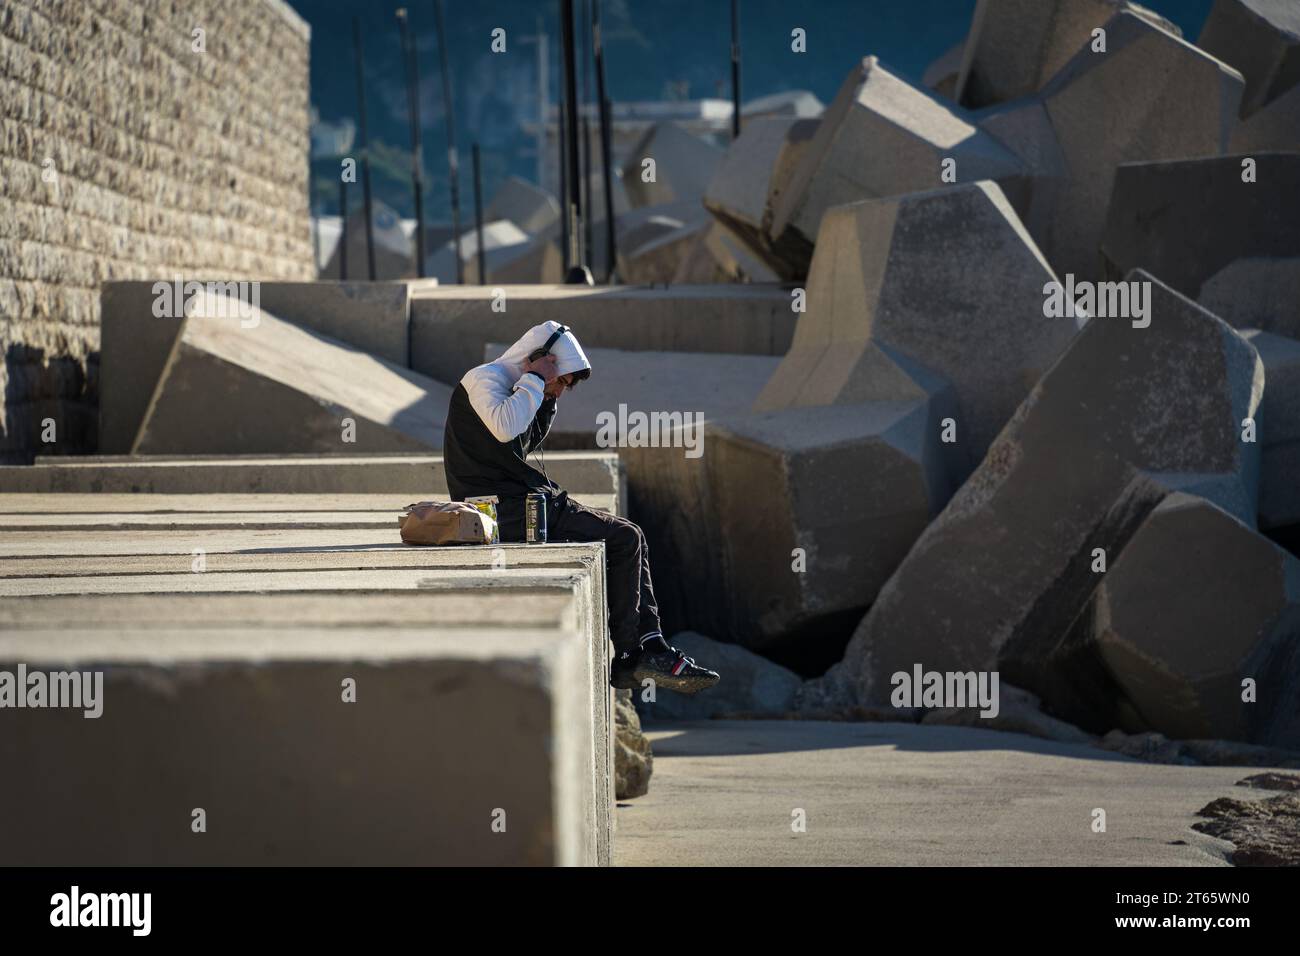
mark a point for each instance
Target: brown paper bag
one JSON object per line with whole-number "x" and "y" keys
{"x": 445, "y": 522}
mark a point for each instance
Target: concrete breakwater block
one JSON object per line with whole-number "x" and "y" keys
{"x": 1003, "y": 572}
{"x": 451, "y": 327}
{"x": 231, "y": 387}
{"x": 481, "y": 731}
{"x": 586, "y": 475}
{"x": 135, "y": 341}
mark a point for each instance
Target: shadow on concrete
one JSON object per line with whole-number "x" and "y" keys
{"x": 711, "y": 738}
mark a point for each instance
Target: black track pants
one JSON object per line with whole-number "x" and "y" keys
{"x": 633, "y": 611}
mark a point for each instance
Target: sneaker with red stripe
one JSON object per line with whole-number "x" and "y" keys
{"x": 674, "y": 670}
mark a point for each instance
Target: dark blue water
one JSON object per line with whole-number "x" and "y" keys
{"x": 655, "y": 49}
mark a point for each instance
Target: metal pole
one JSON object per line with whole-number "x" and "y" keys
{"x": 586, "y": 132}
{"x": 365, "y": 149}
{"x": 735, "y": 69}
{"x": 343, "y": 224}
{"x": 543, "y": 100}
{"x": 611, "y": 251}
{"x": 453, "y": 163}
{"x": 478, "y": 218}
{"x": 413, "y": 117}
{"x": 577, "y": 271}
{"x": 562, "y": 121}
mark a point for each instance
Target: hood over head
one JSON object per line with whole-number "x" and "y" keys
{"x": 568, "y": 353}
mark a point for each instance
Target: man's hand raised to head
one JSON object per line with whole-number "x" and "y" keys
{"x": 544, "y": 366}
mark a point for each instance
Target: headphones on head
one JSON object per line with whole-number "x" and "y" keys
{"x": 546, "y": 349}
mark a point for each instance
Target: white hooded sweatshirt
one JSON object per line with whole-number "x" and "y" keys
{"x": 504, "y": 396}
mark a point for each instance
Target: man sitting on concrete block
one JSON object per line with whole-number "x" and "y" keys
{"x": 501, "y": 412}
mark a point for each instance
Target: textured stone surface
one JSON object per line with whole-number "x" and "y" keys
{"x": 1195, "y": 604}
{"x": 1260, "y": 39}
{"x": 273, "y": 388}
{"x": 149, "y": 171}
{"x": 659, "y": 259}
{"x": 394, "y": 250}
{"x": 751, "y": 178}
{"x": 1185, "y": 220}
{"x": 582, "y": 472}
{"x": 1275, "y": 127}
{"x": 718, "y": 255}
{"x": 944, "y": 283}
{"x": 880, "y": 137}
{"x": 1266, "y": 832}
{"x": 1278, "y": 432}
{"x": 850, "y": 487}
{"x": 528, "y": 206}
{"x": 633, "y": 757}
{"x": 135, "y": 343}
{"x": 228, "y": 683}
{"x": 628, "y": 384}
{"x": 1101, "y": 110}
{"x": 451, "y": 326}
{"x": 998, "y": 578}
{"x": 683, "y": 165}
{"x": 1256, "y": 293}
{"x": 1016, "y": 46}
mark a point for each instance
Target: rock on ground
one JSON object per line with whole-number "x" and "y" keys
{"x": 633, "y": 758}
{"x": 1266, "y": 832}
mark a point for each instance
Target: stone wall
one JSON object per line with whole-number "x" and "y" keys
{"x": 127, "y": 153}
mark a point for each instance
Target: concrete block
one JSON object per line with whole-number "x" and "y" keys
{"x": 1256, "y": 293}
{"x": 752, "y": 176}
{"x": 1275, "y": 127}
{"x": 943, "y": 284}
{"x": 538, "y": 260}
{"x": 941, "y": 75}
{"x": 273, "y": 388}
{"x": 880, "y": 137}
{"x": 660, "y": 259}
{"x": 1278, "y": 428}
{"x": 626, "y": 386}
{"x": 801, "y": 104}
{"x": 248, "y": 725}
{"x": 512, "y": 256}
{"x": 718, "y": 255}
{"x": 1185, "y": 220}
{"x": 394, "y": 248}
{"x": 1000, "y": 575}
{"x": 1015, "y": 46}
{"x": 586, "y": 474}
{"x": 452, "y": 326}
{"x": 843, "y": 491}
{"x": 221, "y": 698}
{"x": 528, "y": 206}
{"x": 683, "y": 165}
{"x": 1260, "y": 39}
{"x": 134, "y": 343}
{"x": 1196, "y": 604}
{"x": 1101, "y": 110}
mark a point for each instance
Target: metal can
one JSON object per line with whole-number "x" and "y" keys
{"x": 488, "y": 505}
{"x": 535, "y": 518}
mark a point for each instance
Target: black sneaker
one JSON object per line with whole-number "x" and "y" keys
{"x": 673, "y": 670}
